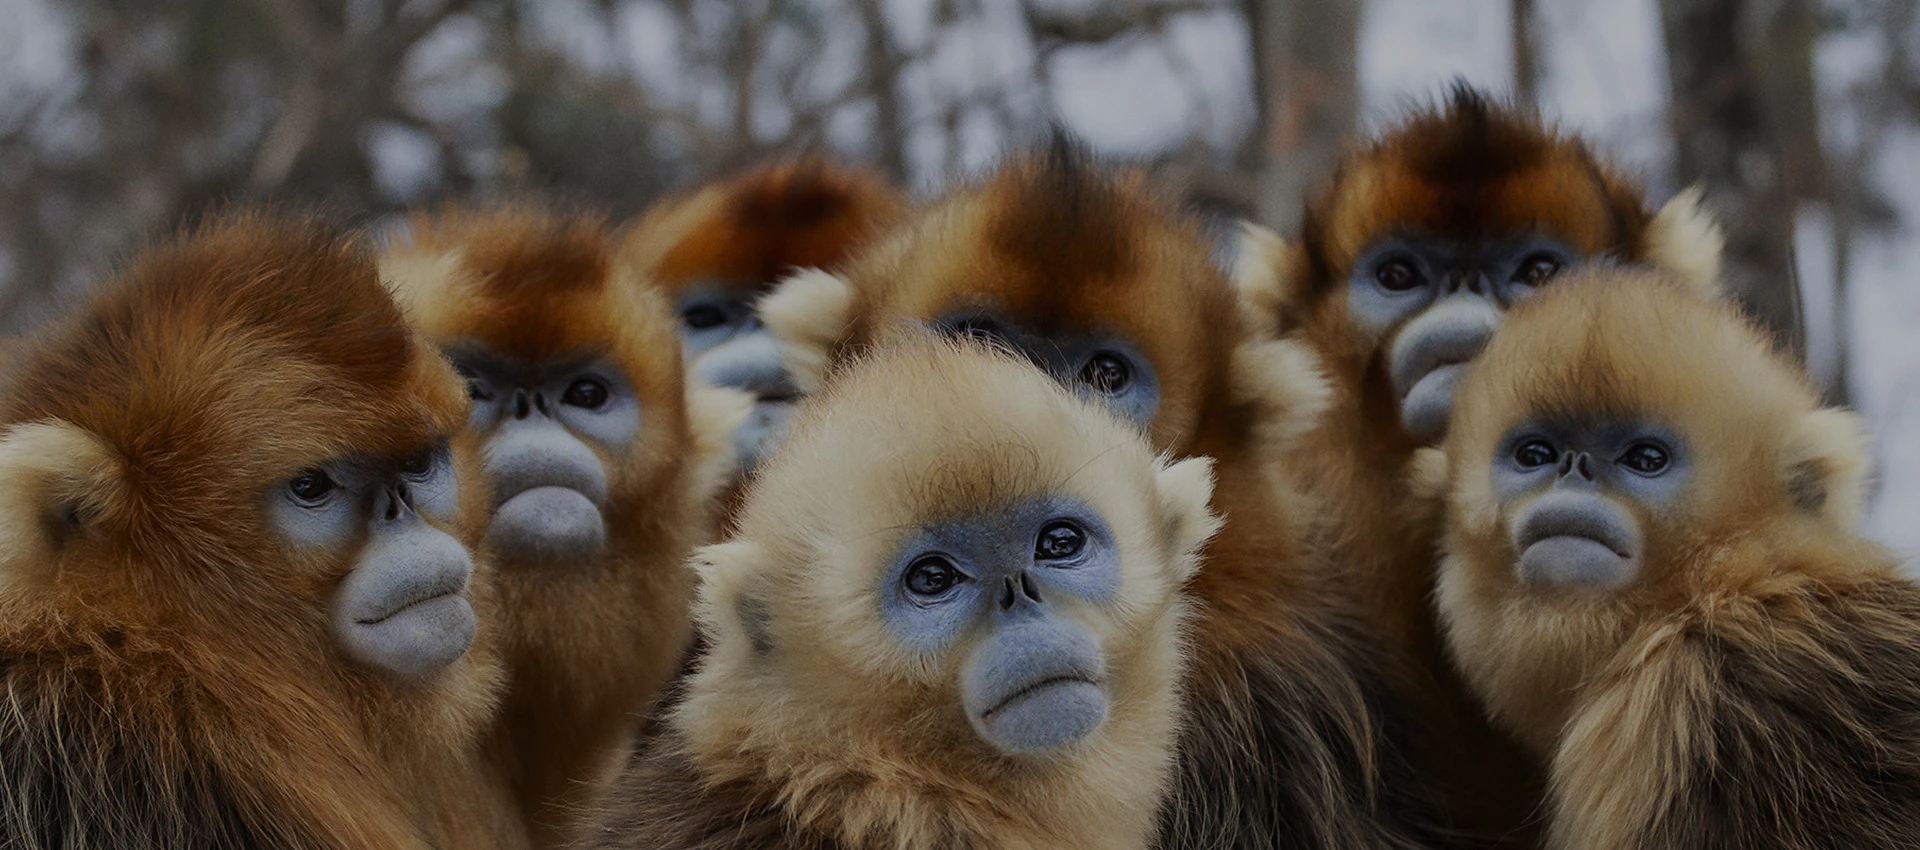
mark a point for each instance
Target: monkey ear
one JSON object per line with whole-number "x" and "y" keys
{"x": 1825, "y": 465}
{"x": 732, "y": 607}
{"x": 1265, "y": 276}
{"x": 1185, "y": 489}
{"x": 713, "y": 415}
{"x": 54, "y": 479}
{"x": 1282, "y": 380}
{"x": 1685, "y": 240}
{"x": 808, "y": 313}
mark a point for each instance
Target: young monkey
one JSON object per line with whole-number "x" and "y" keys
{"x": 951, "y": 618}
{"x": 1654, "y": 579}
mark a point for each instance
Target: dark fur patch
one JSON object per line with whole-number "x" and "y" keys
{"x": 1807, "y": 486}
{"x": 1812, "y": 742}
{"x": 1062, "y": 214}
{"x": 806, "y": 213}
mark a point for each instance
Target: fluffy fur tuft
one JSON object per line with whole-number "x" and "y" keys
{"x": 1755, "y": 686}
{"x": 811, "y": 724}
{"x": 169, "y": 675}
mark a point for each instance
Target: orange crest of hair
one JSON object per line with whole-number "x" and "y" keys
{"x": 1468, "y": 170}
{"x": 750, "y": 230}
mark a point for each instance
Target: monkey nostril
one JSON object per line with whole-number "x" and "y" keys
{"x": 521, "y": 408}
{"x": 1566, "y": 464}
{"x": 540, "y": 403}
{"x": 1008, "y": 594}
{"x": 1027, "y": 588}
{"x": 1584, "y": 465}
{"x": 403, "y": 494}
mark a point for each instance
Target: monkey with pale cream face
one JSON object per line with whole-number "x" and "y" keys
{"x": 1654, "y": 578}
{"x": 603, "y": 467}
{"x": 951, "y": 617}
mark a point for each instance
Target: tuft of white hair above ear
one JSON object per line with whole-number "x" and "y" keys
{"x": 1283, "y": 379}
{"x": 52, "y": 476}
{"x": 1263, "y": 270}
{"x": 807, "y": 313}
{"x": 1826, "y": 466}
{"x": 1186, "y": 488}
{"x": 1685, "y": 239}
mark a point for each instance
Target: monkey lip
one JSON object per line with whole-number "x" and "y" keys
{"x": 1036, "y": 688}
{"x": 419, "y": 595}
{"x": 779, "y": 395}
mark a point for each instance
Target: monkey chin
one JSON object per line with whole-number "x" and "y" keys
{"x": 548, "y": 525}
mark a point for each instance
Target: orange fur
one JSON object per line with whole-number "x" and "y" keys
{"x": 169, "y": 672}
{"x": 1754, "y": 686}
{"x": 589, "y": 644}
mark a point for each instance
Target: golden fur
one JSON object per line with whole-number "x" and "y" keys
{"x": 1467, "y": 169}
{"x": 170, "y": 677}
{"x": 589, "y": 645}
{"x": 811, "y": 724}
{"x": 1756, "y": 685}
{"x": 1295, "y": 736}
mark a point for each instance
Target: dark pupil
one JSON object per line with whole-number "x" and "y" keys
{"x": 1536, "y": 269}
{"x": 1645, "y": 458}
{"x": 1396, "y": 275}
{"x": 418, "y": 464}
{"x": 1534, "y": 453}
{"x": 311, "y": 485}
{"x": 703, "y": 316}
{"x": 585, "y": 392}
{"x": 931, "y": 577}
{"x": 1059, "y": 540}
{"x": 1105, "y": 373}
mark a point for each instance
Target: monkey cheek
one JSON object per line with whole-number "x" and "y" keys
{"x": 1428, "y": 404}
{"x": 418, "y": 640}
{"x": 1044, "y": 717}
{"x": 1576, "y": 562}
{"x": 547, "y": 525}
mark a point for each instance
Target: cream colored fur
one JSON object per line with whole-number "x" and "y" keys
{"x": 45, "y": 468}
{"x": 807, "y": 313}
{"x": 1684, "y": 238}
{"x": 808, "y": 689}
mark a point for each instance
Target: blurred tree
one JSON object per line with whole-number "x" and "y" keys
{"x": 1306, "y": 93}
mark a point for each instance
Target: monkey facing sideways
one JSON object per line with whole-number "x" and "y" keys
{"x": 236, "y": 610}
{"x": 603, "y": 467}
{"x": 950, "y": 618}
{"x": 1654, "y": 578}
{"x": 1295, "y": 735}
{"x": 717, "y": 250}
{"x": 1408, "y": 259}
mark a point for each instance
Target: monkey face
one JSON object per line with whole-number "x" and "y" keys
{"x": 1005, "y": 588}
{"x": 725, "y": 345}
{"x": 1103, "y": 366}
{"x": 544, "y": 429}
{"x": 1571, "y": 494}
{"x": 1435, "y": 304}
{"x": 402, "y": 607}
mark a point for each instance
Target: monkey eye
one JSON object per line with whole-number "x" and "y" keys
{"x": 1537, "y": 269}
{"x": 1396, "y": 275}
{"x": 933, "y": 575}
{"x": 419, "y": 463}
{"x": 589, "y": 393}
{"x": 1645, "y": 458}
{"x": 1535, "y": 453}
{"x": 311, "y": 486}
{"x": 476, "y": 389}
{"x": 1059, "y": 540}
{"x": 1106, "y": 373}
{"x": 703, "y": 316}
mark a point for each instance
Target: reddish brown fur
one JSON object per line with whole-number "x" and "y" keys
{"x": 1755, "y": 684}
{"x": 1469, "y": 170}
{"x": 749, "y": 231}
{"x": 170, "y": 675}
{"x": 589, "y": 644}
{"x": 1291, "y": 708}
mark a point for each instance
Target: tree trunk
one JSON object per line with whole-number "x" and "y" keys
{"x": 1308, "y": 97}
{"x": 1743, "y": 118}
{"x": 1526, "y": 59}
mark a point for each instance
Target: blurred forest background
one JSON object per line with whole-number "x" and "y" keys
{"x": 120, "y": 119}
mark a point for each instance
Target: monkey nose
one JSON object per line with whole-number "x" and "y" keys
{"x": 1577, "y": 465}
{"x": 1014, "y": 590}
{"x": 522, "y": 405}
{"x": 396, "y": 501}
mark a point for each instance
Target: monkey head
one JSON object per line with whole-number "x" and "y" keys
{"x": 951, "y": 561}
{"x": 1620, "y": 436}
{"x": 237, "y": 434}
{"x": 571, "y": 364}
{"x": 718, "y": 250}
{"x": 1424, "y": 238}
{"x": 1080, "y": 269}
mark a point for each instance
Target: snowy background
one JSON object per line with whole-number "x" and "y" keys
{"x": 121, "y": 118}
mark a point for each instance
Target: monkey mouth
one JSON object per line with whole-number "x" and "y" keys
{"x": 778, "y": 395}
{"x": 1034, "y": 689}
{"x": 443, "y": 584}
